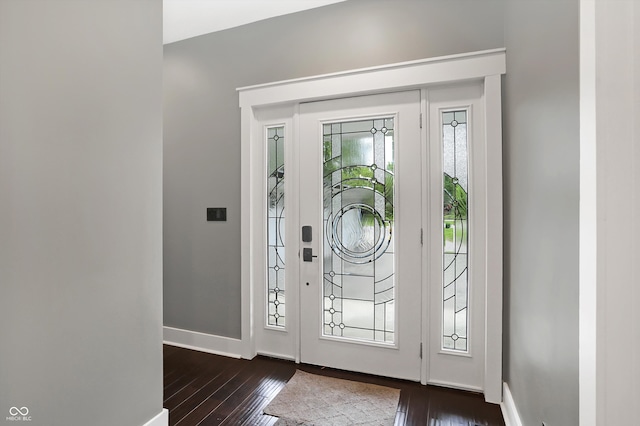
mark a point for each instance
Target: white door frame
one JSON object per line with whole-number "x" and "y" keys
{"x": 486, "y": 65}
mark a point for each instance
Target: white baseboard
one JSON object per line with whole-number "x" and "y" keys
{"x": 162, "y": 419}
{"x": 508, "y": 407}
{"x": 203, "y": 342}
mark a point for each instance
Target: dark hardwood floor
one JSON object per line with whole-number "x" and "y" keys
{"x": 204, "y": 389}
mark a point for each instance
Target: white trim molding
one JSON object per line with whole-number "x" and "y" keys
{"x": 162, "y": 419}
{"x": 588, "y": 227}
{"x": 494, "y": 246}
{"x": 508, "y": 407}
{"x": 202, "y": 342}
{"x": 609, "y": 373}
{"x": 399, "y": 76}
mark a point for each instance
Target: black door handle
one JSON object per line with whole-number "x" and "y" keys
{"x": 307, "y": 254}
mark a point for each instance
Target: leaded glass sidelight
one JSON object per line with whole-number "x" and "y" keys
{"x": 275, "y": 227}
{"x": 455, "y": 229}
{"x": 358, "y": 264}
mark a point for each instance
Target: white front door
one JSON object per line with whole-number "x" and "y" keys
{"x": 360, "y": 194}
{"x": 383, "y": 221}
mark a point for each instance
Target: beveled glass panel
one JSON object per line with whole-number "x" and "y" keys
{"x": 358, "y": 264}
{"x": 455, "y": 289}
{"x": 275, "y": 227}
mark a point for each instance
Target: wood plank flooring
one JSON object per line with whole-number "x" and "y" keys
{"x": 204, "y": 389}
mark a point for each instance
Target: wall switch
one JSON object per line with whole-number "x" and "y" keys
{"x": 216, "y": 214}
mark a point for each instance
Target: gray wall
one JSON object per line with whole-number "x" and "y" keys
{"x": 80, "y": 211}
{"x": 202, "y": 122}
{"x": 541, "y": 181}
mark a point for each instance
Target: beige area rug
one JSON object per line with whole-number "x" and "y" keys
{"x": 309, "y": 399}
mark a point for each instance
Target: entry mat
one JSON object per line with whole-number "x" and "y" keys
{"x": 308, "y": 399}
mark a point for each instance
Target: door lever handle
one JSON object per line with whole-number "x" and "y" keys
{"x": 307, "y": 254}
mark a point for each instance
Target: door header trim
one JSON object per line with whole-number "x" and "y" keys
{"x": 392, "y": 77}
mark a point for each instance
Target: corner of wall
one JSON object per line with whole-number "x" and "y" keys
{"x": 162, "y": 419}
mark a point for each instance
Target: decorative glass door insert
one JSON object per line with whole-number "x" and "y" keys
{"x": 275, "y": 227}
{"x": 455, "y": 230}
{"x": 358, "y": 219}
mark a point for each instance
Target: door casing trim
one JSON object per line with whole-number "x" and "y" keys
{"x": 487, "y": 65}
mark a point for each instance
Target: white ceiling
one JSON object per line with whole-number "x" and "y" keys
{"x": 189, "y": 18}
